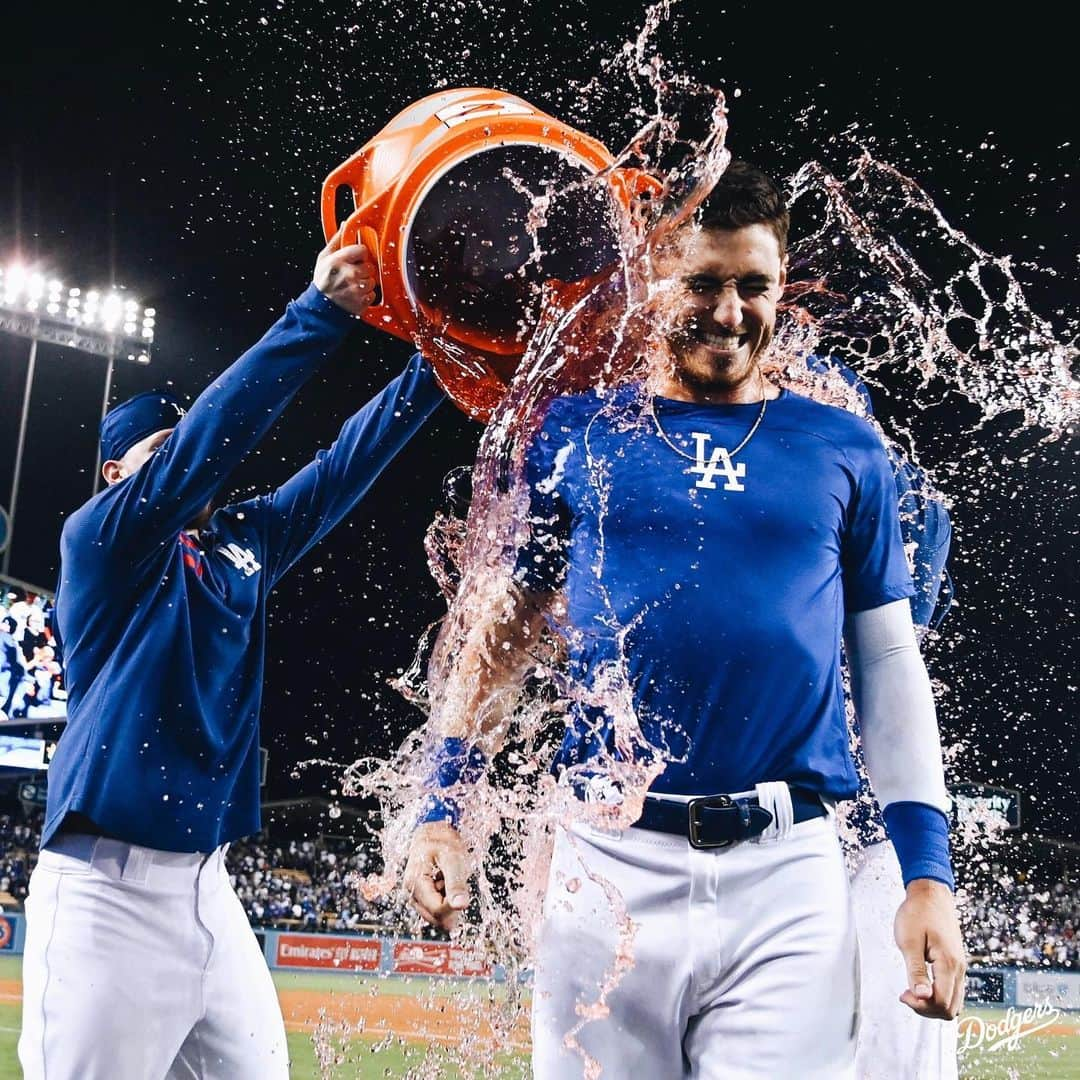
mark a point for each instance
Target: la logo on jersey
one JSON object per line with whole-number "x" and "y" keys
{"x": 241, "y": 558}
{"x": 708, "y": 465}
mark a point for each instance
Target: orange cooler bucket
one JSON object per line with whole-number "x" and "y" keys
{"x": 442, "y": 198}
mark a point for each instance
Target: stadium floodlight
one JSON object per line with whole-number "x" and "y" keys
{"x": 112, "y": 309}
{"x": 36, "y": 305}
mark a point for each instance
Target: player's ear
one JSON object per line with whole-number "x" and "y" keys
{"x": 783, "y": 271}
{"x": 113, "y": 471}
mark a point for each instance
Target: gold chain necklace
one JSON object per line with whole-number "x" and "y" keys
{"x": 693, "y": 457}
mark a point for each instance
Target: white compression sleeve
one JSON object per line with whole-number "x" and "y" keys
{"x": 895, "y": 706}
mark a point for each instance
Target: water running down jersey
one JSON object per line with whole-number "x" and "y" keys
{"x": 728, "y": 589}
{"x": 164, "y": 638}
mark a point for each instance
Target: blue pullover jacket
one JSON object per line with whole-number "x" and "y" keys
{"x": 164, "y": 634}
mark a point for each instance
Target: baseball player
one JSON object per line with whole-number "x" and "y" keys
{"x": 12, "y": 668}
{"x": 139, "y": 962}
{"x": 717, "y": 538}
{"x": 893, "y": 1044}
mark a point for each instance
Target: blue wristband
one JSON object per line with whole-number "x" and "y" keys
{"x": 453, "y": 762}
{"x": 920, "y": 834}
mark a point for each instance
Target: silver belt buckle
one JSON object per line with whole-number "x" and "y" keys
{"x": 716, "y": 802}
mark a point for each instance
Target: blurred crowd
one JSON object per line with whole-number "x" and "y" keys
{"x": 298, "y": 885}
{"x": 19, "y": 839}
{"x": 314, "y": 885}
{"x": 308, "y": 885}
{"x": 1017, "y": 922}
{"x": 31, "y": 681}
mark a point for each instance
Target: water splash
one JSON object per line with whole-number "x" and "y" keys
{"x": 881, "y": 280}
{"x": 906, "y": 289}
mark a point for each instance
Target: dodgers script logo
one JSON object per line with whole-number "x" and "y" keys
{"x": 708, "y": 465}
{"x": 241, "y": 558}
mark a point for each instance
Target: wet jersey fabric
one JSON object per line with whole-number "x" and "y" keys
{"x": 924, "y": 520}
{"x": 723, "y": 581}
{"x": 164, "y": 635}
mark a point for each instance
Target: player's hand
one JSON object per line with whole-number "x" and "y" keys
{"x": 436, "y": 874}
{"x": 928, "y": 933}
{"x": 346, "y": 275}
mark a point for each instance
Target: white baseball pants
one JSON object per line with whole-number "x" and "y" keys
{"x": 744, "y": 958}
{"x": 141, "y": 965}
{"x": 894, "y": 1043}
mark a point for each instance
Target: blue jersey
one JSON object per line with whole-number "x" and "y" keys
{"x": 924, "y": 521}
{"x": 725, "y": 589}
{"x": 164, "y": 636}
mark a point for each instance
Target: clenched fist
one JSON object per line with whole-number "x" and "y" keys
{"x": 346, "y": 275}
{"x": 436, "y": 876}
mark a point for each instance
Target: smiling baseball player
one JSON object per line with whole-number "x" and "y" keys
{"x": 720, "y": 537}
{"x": 139, "y": 960}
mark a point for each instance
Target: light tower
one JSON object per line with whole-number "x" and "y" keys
{"x": 105, "y": 323}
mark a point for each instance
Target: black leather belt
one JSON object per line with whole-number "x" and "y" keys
{"x": 81, "y": 825}
{"x": 718, "y": 821}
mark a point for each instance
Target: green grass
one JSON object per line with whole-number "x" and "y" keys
{"x": 1038, "y": 1057}
{"x": 10, "y": 1019}
{"x": 1053, "y": 1057}
{"x": 360, "y": 1060}
{"x": 365, "y": 1060}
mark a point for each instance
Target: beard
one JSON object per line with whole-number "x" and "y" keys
{"x": 700, "y": 368}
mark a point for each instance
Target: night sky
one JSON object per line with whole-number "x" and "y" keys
{"x": 178, "y": 150}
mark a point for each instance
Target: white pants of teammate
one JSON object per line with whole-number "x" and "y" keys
{"x": 744, "y": 959}
{"x": 141, "y": 965}
{"x": 894, "y": 1042}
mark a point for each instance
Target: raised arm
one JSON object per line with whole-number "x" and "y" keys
{"x": 308, "y": 505}
{"x": 227, "y": 420}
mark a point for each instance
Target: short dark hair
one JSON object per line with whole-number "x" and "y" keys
{"x": 743, "y": 196}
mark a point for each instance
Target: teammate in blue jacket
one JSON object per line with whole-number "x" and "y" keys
{"x": 716, "y": 538}
{"x": 893, "y": 1044}
{"x": 139, "y": 961}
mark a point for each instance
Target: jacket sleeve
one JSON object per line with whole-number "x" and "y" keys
{"x": 927, "y": 532}
{"x": 307, "y": 506}
{"x": 227, "y": 420}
